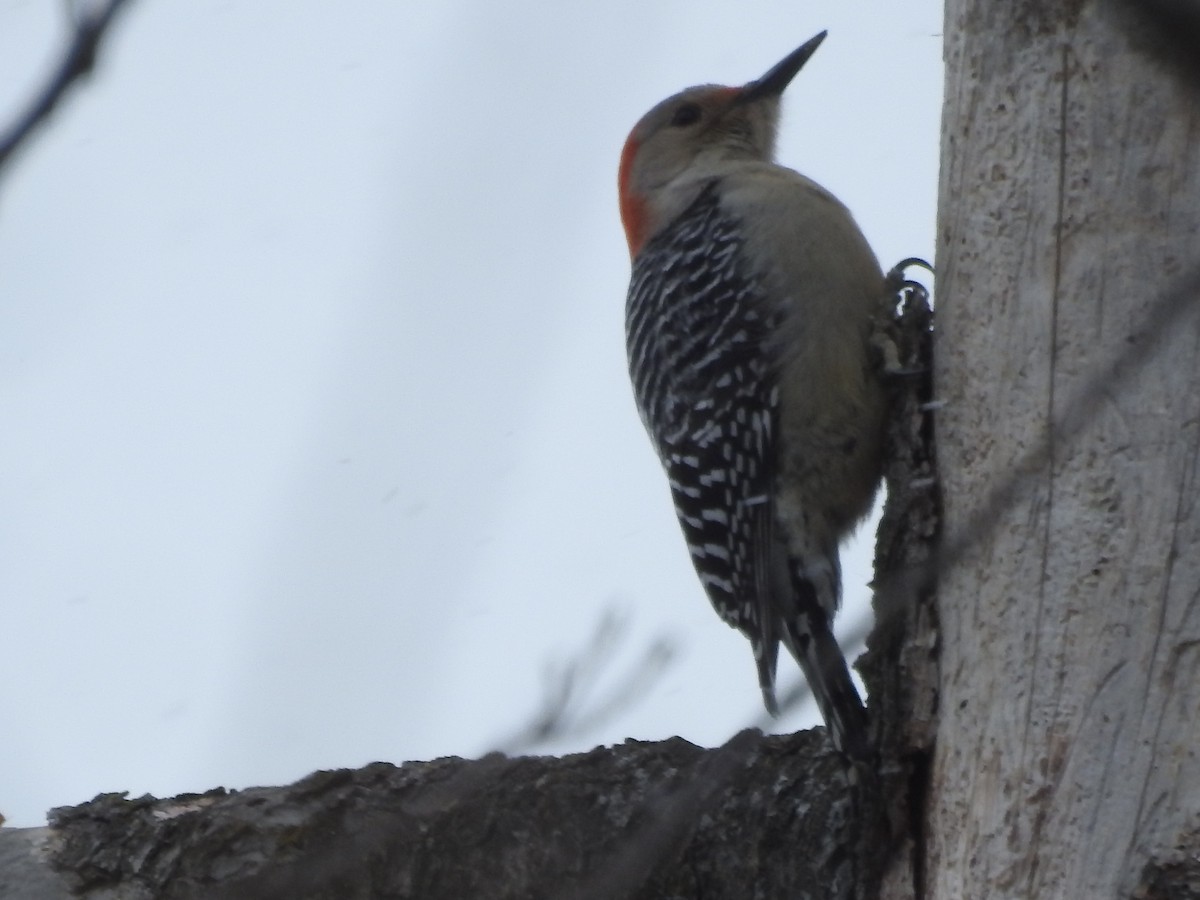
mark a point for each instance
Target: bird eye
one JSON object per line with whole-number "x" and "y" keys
{"x": 688, "y": 114}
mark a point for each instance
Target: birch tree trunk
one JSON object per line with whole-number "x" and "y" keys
{"x": 1068, "y": 753}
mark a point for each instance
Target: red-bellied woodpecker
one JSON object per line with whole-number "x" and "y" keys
{"x": 748, "y": 327}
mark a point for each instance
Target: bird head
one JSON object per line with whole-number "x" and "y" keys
{"x": 694, "y": 131}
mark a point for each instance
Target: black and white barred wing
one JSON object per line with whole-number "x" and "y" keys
{"x": 694, "y": 333}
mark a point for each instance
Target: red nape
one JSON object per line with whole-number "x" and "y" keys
{"x": 633, "y": 207}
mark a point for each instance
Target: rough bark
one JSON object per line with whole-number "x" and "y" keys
{"x": 1067, "y": 763}
{"x": 761, "y": 817}
{"x": 900, "y": 668}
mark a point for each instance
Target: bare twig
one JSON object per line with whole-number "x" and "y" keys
{"x": 564, "y": 708}
{"x": 78, "y": 60}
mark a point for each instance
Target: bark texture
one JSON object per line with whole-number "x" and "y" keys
{"x": 901, "y": 666}
{"x": 760, "y": 817}
{"x": 1067, "y": 763}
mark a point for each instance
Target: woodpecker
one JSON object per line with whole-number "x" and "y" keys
{"x": 748, "y": 326}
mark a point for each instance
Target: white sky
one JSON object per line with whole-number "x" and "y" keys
{"x": 318, "y": 442}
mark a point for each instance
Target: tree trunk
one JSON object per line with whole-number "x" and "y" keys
{"x": 1068, "y": 753}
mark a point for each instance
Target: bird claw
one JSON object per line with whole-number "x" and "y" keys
{"x": 897, "y": 273}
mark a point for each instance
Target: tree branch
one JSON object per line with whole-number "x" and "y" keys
{"x": 637, "y": 820}
{"x": 78, "y": 60}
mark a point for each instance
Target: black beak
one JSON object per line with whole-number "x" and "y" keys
{"x": 782, "y": 73}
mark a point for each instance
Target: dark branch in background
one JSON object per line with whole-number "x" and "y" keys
{"x": 568, "y": 684}
{"x": 1166, "y": 30}
{"x": 78, "y": 60}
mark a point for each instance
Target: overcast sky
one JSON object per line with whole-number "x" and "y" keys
{"x": 318, "y": 444}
